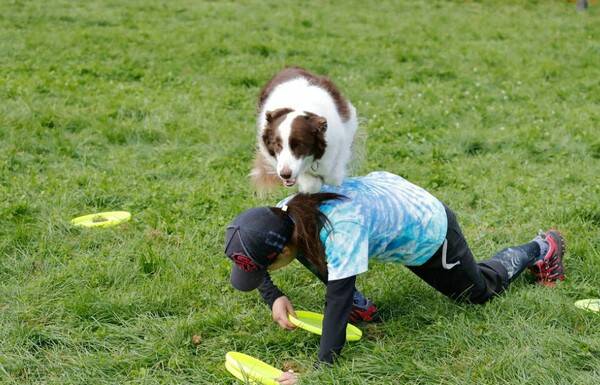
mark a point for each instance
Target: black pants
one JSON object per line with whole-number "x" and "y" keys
{"x": 457, "y": 275}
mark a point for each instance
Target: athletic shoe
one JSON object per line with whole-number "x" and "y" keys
{"x": 363, "y": 309}
{"x": 550, "y": 269}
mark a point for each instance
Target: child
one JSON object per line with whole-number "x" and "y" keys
{"x": 382, "y": 217}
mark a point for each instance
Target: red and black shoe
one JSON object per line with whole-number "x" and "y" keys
{"x": 364, "y": 312}
{"x": 550, "y": 268}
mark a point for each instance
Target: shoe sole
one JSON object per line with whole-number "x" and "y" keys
{"x": 561, "y": 246}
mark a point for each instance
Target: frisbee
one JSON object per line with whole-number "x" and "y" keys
{"x": 250, "y": 369}
{"x": 107, "y": 219}
{"x": 592, "y": 304}
{"x": 313, "y": 322}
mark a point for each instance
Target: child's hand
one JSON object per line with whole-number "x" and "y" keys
{"x": 288, "y": 378}
{"x": 281, "y": 307}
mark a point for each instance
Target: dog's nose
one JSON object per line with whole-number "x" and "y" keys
{"x": 285, "y": 173}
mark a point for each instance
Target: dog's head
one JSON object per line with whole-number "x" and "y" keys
{"x": 295, "y": 139}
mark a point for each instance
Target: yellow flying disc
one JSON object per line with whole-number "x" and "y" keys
{"x": 107, "y": 219}
{"x": 313, "y": 322}
{"x": 592, "y": 304}
{"x": 250, "y": 369}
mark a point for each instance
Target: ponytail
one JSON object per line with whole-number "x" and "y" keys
{"x": 308, "y": 220}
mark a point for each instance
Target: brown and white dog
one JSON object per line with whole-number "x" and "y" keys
{"x": 305, "y": 132}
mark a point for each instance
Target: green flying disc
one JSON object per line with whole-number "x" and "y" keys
{"x": 107, "y": 219}
{"x": 251, "y": 370}
{"x": 592, "y": 304}
{"x": 313, "y": 322}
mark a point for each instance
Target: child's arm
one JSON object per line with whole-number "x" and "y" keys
{"x": 337, "y": 308}
{"x": 280, "y": 305}
{"x": 268, "y": 291}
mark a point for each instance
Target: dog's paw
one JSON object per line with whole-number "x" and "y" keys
{"x": 309, "y": 184}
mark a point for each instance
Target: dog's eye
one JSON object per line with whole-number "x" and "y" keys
{"x": 294, "y": 144}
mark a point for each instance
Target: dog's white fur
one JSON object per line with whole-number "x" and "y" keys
{"x": 301, "y": 96}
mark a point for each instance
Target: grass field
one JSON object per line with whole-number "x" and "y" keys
{"x": 148, "y": 106}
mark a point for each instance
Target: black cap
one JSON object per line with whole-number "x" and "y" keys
{"x": 252, "y": 241}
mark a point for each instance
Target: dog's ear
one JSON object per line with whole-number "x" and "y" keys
{"x": 317, "y": 122}
{"x": 321, "y": 124}
{"x": 272, "y": 115}
{"x": 269, "y": 116}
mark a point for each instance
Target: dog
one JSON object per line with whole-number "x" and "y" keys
{"x": 305, "y": 132}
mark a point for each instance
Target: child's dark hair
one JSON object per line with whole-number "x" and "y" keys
{"x": 308, "y": 221}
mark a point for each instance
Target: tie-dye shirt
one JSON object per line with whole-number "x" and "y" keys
{"x": 386, "y": 218}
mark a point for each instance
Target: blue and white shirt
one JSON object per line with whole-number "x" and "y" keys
{"x": 385, "y": 218}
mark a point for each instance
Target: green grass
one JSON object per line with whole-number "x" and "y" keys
{"x": 149, "y": 107}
